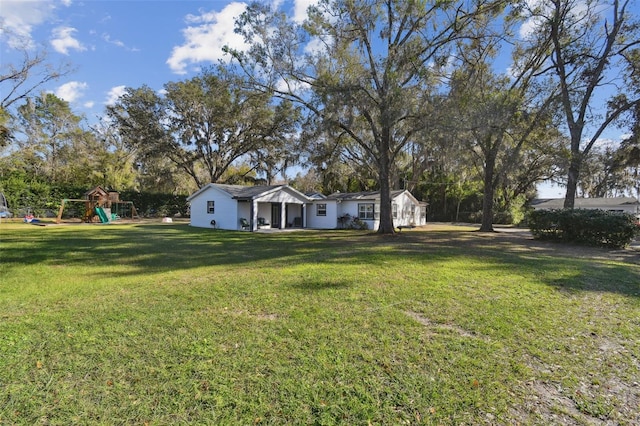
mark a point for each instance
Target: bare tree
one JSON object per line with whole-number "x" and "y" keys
{"x": 593, "y": 61}
{"x": 19, "y": 80}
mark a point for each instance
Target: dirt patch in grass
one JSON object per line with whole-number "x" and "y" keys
{"x": 606, "y": 396}
{"x": 601, "y": 386}
{"x": 436, "y": 328}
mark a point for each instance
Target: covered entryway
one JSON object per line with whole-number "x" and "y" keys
{"x": 281, "y": 208}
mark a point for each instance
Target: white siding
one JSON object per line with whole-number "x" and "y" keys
{"x": 229, "y": 211}
{"x": 330, "y": 221}
{"x": 225, "y": 214}
{"x": 408, "y": 211}
{"x": 405, "y": 216}
{"x": 244, "y": 212}
{"x": 264, "y": 210}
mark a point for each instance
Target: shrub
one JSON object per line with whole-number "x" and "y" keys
{"x": 157, "y": 205}
{"x": 592, "y": 227}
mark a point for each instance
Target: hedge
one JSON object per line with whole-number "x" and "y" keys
{"x": 43, "y": 199}
{"x": 592, "y": 227}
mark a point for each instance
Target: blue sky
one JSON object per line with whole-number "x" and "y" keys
{"x": 115, "y": 44}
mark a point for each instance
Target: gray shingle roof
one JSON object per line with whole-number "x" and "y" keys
{"x": 247, "y": 192}
{"x": 370, "y": 195}
{"x": 240, "y": 192}
{"x": 603, "y": 203}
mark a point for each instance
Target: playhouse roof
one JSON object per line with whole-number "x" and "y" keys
{"x": 98, "y": 190}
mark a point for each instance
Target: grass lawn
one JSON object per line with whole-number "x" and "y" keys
{"x": 164, "y": 323}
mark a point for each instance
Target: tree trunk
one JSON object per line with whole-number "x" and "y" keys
{"x": 572, "y": 182}
{"x": 386, "y": 218}
{"x": 487, "y": 199}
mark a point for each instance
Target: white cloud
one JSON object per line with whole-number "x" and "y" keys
{"x": 529, "y": 27}
{"x": 540, "y": 8}
{"x": 204, "y": 41}
{"x": 625, "y": 136}
{"x": 300, "y": 9}
{"x": 292, "y": 86}
{"x": 63, "y": 40}
{"x": 18, "y": 18}
{"x": 114, "y": 94}
{"x": 71, "y": 91}
{"x": 106, "y": 37}
{"x": 316, "y": 46}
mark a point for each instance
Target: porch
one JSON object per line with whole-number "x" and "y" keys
{"x": 274, "y": 215}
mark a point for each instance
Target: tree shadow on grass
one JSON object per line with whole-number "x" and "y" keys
{"x": 153, "y": 248}
{"x": 594, "y": 269}
{"x": 320, "y": 285}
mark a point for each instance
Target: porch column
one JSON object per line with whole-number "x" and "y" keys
{"x": 303, "y": 218}
{"x": 283, "y": 215}
{"x": 253, "y": 221}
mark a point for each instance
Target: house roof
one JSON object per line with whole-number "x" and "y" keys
{"x": 367, "y": 196}
{"x": 240, "y": 192}
{"x": 604, "y": 203}
{"x": 316, "y": 195}
{"x": 247, "y": 192}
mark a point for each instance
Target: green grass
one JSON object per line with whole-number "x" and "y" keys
{"x": 158, "y": 324}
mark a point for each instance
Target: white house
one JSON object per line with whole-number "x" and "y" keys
{"x": 340, "y": 209}
{"x": 238, "y": 207}
{"x": 247, "y": 207}
{"x": 618, "y": 204}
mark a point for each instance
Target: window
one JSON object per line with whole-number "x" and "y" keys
{"x": 394, "y": 210}
{"x": 321, "y": 209}
{"x": 211, "y": 207}
{"x": 365, "y": 211}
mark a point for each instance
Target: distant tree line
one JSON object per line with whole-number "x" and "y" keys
{"x": 467, "y": 104}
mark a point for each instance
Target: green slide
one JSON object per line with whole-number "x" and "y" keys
{"x": 102, "y": 215}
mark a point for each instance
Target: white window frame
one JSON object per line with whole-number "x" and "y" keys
{"x": 366, "y": 211}
{"x": 211, "y": 207}
{"x": 321, "y": 209}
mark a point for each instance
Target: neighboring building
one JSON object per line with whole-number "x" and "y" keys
{"x": 618, "y": 204}
{"x": 280, "y": 206}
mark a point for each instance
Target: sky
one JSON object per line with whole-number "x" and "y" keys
{"x": 113, "y": 44}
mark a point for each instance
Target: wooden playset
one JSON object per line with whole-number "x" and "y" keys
{"x": 101, "y": 206}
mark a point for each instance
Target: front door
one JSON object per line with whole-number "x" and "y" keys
{"x": 275, "y": 215}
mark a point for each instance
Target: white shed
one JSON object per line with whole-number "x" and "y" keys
{"x": 239, "y": 207}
